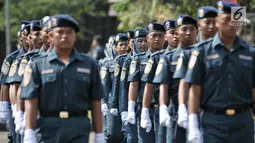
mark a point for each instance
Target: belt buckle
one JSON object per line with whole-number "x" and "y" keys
{"x": 230, "y": 112}
{"x": 63, "y": 114}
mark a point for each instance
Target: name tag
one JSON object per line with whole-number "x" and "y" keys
{"x": 173, "y": 63}
{"x": 214, "y": 56}
{"x": 143, "y": 63}
{"x": 244, "y": 57}
{"x": 48, "y": 71}
{"x": 83, "y": 70}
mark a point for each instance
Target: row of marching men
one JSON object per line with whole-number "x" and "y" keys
{"x": 32, "y": 41}
{"x": 45, "y": 94}
{"x": 147, "y": 94}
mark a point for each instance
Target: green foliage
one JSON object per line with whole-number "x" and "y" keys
{"x": 36, "y": 9}
{"x": 138, "y": 13}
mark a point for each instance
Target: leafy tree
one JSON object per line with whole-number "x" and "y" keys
{"x": 36, "y": 9}
{"x": 138, "y": 13}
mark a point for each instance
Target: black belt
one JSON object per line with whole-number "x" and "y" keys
{"x": 63, "y": 114}
{"x": 227, "y": 111}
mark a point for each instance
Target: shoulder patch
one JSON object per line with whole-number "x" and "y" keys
{"x": 179, "y": 63}
{"x": 103, "y": 72}
{"x": 193, "y": 59}
{"x": 22, "y": 67}
{"x": 13, "y": 69}
{"x": 5, "y": 67}
{"x": 160, "y": 66}
{"x": 132, "y": 67}
{"x": 27, "y": 76}
{"x": 148, "y": 66}
{"x": 117, "y": 70}
{"x": 123, "y": 73}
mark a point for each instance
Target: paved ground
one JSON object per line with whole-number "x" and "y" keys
{"x": 3, "y": 137}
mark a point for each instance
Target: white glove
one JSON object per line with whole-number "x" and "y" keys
{"x": 182, "y": 116}
{"x": 99, "y": 138}
{"x": 164, "y": 118}
{"x": 194, "y": 133}
{"x": 4, "y": 112}
{"x": 104, "y": 109}
{"x": 18, "y": 121}
{"x": 22, "y": 131}
{"x": 124, "y": 115}
{"x": 29, "y": 136}
{"x": 1, "y": 115}
{"x": 131, "y": 112}
{"x": 114, "y": 111}
{"x": 14, "y": 110}
{"x": 145, "y": 120}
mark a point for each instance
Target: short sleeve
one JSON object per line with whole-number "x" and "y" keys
{"x": 134, "y": 74}
{"x": 181, "y": 67}
{"x": 196, "y": 68}
{"x": 162, "y": 73}
{"x": 149, "y": 71}
{"x": 30, "y": 86}
{"x": 97, "y": 90}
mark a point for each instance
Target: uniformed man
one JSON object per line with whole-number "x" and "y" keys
{"x": 221, "y": 73}
{"x": 97, "y": 48}
{"x": 168, "y": 86}
{"x": 114, "y": 124}
{"x": 131, "y": 35}
{"x": 206, "y": 22}
{"x": 145, "y": 128}
{"x": 106, "y": 70}
{"x": 63, "y": 113}
{"x": 35, "y": 28}
{"x": 140, "y": 45}
{"x": 150, "y": 96}
{"x": 187, "y": 32}
{"x": 6, "y": 112}
{"x": 17, "y": 76}
{"x": 44, "y": 34}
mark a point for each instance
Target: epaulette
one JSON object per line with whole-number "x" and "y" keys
{"x": 169, "y": 52}
{"x": 139, "y": 54}
{"x": 120, "y": 56}
{"x": 13, "y": 54}
{"x": 203, "y": 42}
{"x": 160, "y": 52}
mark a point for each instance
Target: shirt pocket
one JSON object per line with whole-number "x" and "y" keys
{"x": 49, "y": 78}
{"x": 83, "y": 83}
{"x": 245, "y": 70}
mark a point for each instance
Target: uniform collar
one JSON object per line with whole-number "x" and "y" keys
{"x": 42, "y": 50}
{"x": 217, "y": 41}
{"x": 74, "y": 56}
{"x": 148, "y": 53}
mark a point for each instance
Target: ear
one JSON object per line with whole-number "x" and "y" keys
{"x": 29, "y": 37}
{"x": 217, "y": 21}
{"x": 165, "y": 37}
{"x": 199, "y": 25}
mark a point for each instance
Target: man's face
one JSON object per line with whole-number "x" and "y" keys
{"x": 131, "y": 44}
{"x": 63, "y": 37}
{"x": 156, "y": 40}
{"x": 187, "y": 34}
{"x": 24, "y": 39}
{"x": 171, "y": 37}
{"x": 35, "y": 39}
{"x": 44, "y": 36}
{"x": 142, "y": 44}
{"x": 122, "y": 48}
{"x": 208, "y": 27}
{"x": 224, "y": 24}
